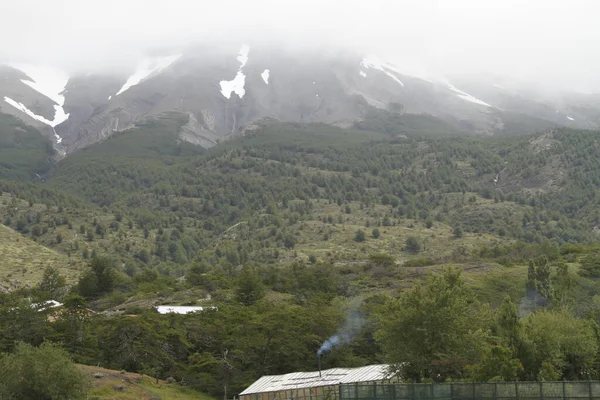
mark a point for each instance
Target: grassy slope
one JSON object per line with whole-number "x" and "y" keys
{"x": 491, "y": 281}
{"x": 22, "y": 261}
{"x": 114, "y": 385}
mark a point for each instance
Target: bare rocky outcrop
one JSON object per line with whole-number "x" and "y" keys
{"x": 197, "y": 133}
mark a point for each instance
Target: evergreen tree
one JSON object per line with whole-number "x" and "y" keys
{"x": 360, "y": 236}
{"x": 412, "y": 245}
{"x": 250, "y": 288}
{"x": 52, "y": 284}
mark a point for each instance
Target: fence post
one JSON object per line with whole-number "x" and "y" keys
{"x": 517, "y": 390}
{"x": 394, "y": 392}
{"x": 452, "y": 391}
{"x": 590, "y": 388}
{"x": 541, "y": 390}
{"x": 495, "y": 391}
{"x": 564, "y": 391}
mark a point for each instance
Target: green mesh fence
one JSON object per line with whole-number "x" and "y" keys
{"x": 472, "y": 391}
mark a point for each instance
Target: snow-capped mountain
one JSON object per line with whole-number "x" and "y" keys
{"x": 34, "y": 95}
{"x": 221, "y": 91}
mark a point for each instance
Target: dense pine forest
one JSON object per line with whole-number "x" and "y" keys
{"x": 454, "y": 258}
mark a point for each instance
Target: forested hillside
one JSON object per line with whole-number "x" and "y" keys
{"x": 292, "y": 228}
{"x": 24, "y": 153}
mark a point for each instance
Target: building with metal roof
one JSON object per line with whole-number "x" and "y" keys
{"x": 181, "y": 309}
{"x": 314, "y": 385}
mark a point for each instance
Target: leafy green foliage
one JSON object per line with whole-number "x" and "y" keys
{"x": 436, "y": 331}
{"x": 45, "y": 372}
{"x": 433, "y": 331}
{"x": 497, "y": 365}
{"x": 557, "y": 345}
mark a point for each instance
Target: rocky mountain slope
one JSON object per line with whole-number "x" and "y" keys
{"x": 223, "y": 91}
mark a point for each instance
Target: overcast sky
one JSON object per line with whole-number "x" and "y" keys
{"x": 549, "y": 41}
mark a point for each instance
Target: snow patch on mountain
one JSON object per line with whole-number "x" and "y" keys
{"x": 47, "y": 81}
{"x": 237, "y": 84}
{"x": 375, "y": 63}
{"x": 23, "y": 108}
{"x": 243, "y": 55}
{"x": 363, "y": 74}
{"x": 265, "y": 76}
{"x": 147, "y": 68}
{"x": 60, "y": 116}
{"x": 467, "y": 97}
{"x": 570, "y": 118}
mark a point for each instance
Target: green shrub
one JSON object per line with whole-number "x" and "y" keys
{"x": 44, "y": 372}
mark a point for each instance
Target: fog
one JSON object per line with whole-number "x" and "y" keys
{"x": 550, "y": 42}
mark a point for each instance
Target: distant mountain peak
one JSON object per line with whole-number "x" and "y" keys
{"x": 224, "y": 89}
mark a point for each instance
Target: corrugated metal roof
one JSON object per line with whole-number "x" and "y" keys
{"x": 334, "y": 376}
{"x": 181, "y": 309}
{"x": 178, "y": 309}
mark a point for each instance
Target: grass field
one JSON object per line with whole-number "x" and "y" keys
{"x": 113, "y": 385}
{"x": 22, "y": 261}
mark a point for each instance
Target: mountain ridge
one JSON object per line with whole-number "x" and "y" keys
{"x": 223, "y": 91}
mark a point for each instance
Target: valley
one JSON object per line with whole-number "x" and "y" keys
{"x": 299, "y": 200}
{"x": 284, "y": 231}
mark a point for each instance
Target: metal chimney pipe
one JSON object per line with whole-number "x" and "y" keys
{"x": 319, "y": 364}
